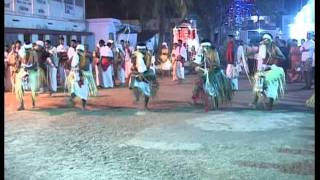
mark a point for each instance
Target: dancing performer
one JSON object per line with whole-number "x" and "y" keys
{"x": 270, "y": 78}
{"x": 212, "y": 87}
{"x": 143, "y": 79}
{"x": 27, "y": 73}
{"x": 78, "y": 84}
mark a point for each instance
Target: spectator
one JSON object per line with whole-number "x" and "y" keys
{"x": 295, "y": 58}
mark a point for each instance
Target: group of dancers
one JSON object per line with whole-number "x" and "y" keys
{"x": 213, "y": 87}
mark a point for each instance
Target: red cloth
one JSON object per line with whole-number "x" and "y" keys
{"x": 230, "y": 53}
{"x": 105, "y": 63}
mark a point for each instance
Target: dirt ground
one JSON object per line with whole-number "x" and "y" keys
{"x": 115, "y": 139}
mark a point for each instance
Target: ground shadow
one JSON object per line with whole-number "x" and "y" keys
{"x": 306, "y": 167}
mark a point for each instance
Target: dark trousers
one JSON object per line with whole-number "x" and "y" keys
{"x": 308, "y": 78}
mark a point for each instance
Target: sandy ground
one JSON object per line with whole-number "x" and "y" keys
{"x": 175, "y": 140}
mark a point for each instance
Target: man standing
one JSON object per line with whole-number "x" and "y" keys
{"x": 180, "y": 57}
{"x": 53, "y": 63}
{"x": 307, "y": 50}
{"x": 106, "y": 56}
{"x": 120, "y": 63}
{"x": 13, "y": 57}
{"x": 231, "y": 54}
{"x": 62, "y": 50}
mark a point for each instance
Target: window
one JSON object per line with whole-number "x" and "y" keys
{"x": 27, "y": 37}
{"x": 68, "y": 40}
{"x": 41, "y": 37}
{"x": 79, "y": 3}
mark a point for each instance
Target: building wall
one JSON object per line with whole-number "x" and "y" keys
{"x": 58, "y": 15}
{"x": 45, "y": 14}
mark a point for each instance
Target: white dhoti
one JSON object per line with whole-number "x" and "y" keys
{"x": 107, "y": 80}
{"x": 166, "y": 66}
{"x": 53, "y": 78}
{"x": 232, "y": 74}
{"x": 121, "y": 74}
{"x": 98, "y": 75}
{"x": 74, "y": 87}
{"x": 61, "y": 75}
{"x": 127, "y": 68}
{"x": 179, "y": 70}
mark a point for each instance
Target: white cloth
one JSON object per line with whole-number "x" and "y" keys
{"x": 71, "y": 52}
{"x": 313, "y": 62}
{"x": 179, "y": 70}
{"x": 261, "y": 55}
{"x": 143, "y": 86}
{"x": 75, "y": 61}
{"x": 107, "y": 80}
{"x": 141, "y": 66}
{"x": 106, "y": 51}
{"x": 127, "y": 61}
{"x": 62, "y": 48}
{"x": 308, "y": 45}
{"x": 83, "y": 91}
{"x": 53, "y": 78}
{"x": 166, "y": 65}
{"x": 98, "y": 75}
{"x": 121, "y": 74}
{"x": 240, "y": 55}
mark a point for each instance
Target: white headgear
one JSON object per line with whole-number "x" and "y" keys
{"x": 164, "y": 44}
{"x": 267, "y": 36}
{"x": 39, "y": 43}
{"x": 141, "y": 47}
{"x": 80, "y": 47}
{"x": 110, "y": 41}
{"x": 205, "y": 44}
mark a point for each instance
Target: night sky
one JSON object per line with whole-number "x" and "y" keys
{"x": 126, "y": 9}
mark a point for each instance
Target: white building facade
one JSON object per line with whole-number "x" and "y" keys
{"x": 45, "y": 20}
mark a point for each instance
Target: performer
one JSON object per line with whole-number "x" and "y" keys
{"x": 143, "y": 79}
{"x": 270, "y": 78}
{"x": 179, "y": 55}
{"x": 165, "y": 61}
{"x": 120, "y": 64}
{"x": 62, "y": 50}
{"x": 27, "y": 73}
{"x": 13, "y": 57}
{"x": 41, "y": 55}
{"x": 212, "y": 87}
{"x": 53, "y": 63}
{"x": 231, "y": 58}
{"x": 106, "y": 58}
{"x": 127, "y": 58}
{"x": 77, "y": 79}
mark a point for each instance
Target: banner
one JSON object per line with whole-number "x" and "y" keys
{"x": 24, "y": 6}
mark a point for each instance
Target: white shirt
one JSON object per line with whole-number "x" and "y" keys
{"x": 180, "y": 51}
{"x": 62, "y": 48}
{"x": 309, "y": 45}
{"x": 53, "y": 51}
{"x": 71, "y": 52}
{"x": 106, "y": 51}
{"x": 75, "y": 60}
{"x": 240, "y": 54}
{"x": 261, "y": 55}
